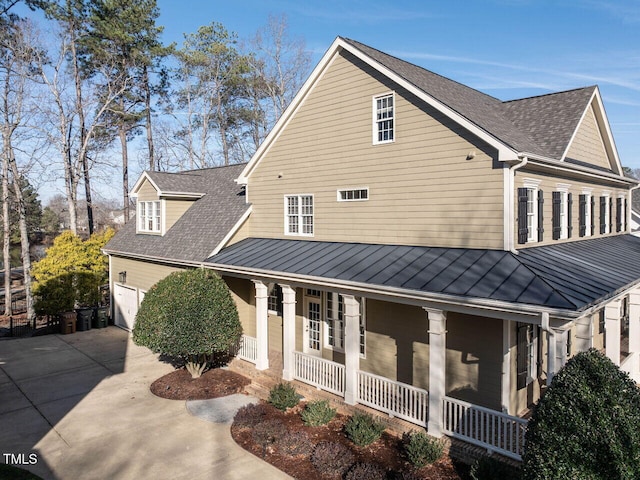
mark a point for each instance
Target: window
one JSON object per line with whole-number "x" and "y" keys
{"x": 619, "y": 214}
{"x": 527, "y": 351}
{"x": 585, "y": 214}
{"x": 299, "y": 215}
{"x": 274, "y": 300}
{"x": 149, "y": 216}
{"x": 353, "y": 195}
{"x": 384, "y": 119}
{"x": 562, "y": 202}
{"x": 335, "y": 320}
{"x": 530, "y": 208}
{"x": 605, "y": 214}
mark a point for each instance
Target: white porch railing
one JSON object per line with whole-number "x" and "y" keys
{"x": 321, "y": 373}
{"x": 395, "y": 398}
{"x": 631, "y": 365}
{"x": 248, "y": 349}
{"x": 496, "y": 431}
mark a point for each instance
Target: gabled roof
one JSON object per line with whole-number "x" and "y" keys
{"x": 542, "y": 126}
{"x": 568, "y": 276}
{"x": 167, "y": 184}
{"x": 202, "y": 229}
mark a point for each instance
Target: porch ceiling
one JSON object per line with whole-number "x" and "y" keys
{"x": 570, "y": 276}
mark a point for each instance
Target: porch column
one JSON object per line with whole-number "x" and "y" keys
{"x": 437, "y": 362}
{"x": 584, "y": 333}
{"x": 612, "y": 329}
{"x": 262, "y": 326}
{"x": 634, "y": 322}
{"x": 288, "y": 330}
{"x": 351, "y": 348}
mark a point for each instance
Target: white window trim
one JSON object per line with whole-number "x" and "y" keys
{"x": 374, "y": 126}
{"x": 158, "y": 225}
{"x": 340, "y": 190}
{"x": 607, "y": 212}
{"x": 270, "y": 286}
{"x": 563, "y": 188}
{"x": 588, "y": 220}
{"x": 534, "y": 185}
{"x": 299, "y": 233}
{"x": 338, "y": 325}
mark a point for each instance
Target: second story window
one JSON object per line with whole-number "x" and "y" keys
{"x": 586, "y": 214}
{"x": 562, "y": 203}
{"x": 605, "y": 214}
{"x": 149, "y": 216}
{"x": 298, "y": 215}
{"x": 530, "y": 209}
{"x": 383, "y": 119}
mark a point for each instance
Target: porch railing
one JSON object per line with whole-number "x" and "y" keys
{"x": 321, "y": 373}
{"x": 631, "y": 365}
{"x": 395, "y": 398}
{"x": 496, "y": 431}
{"x": 248, "y": 348}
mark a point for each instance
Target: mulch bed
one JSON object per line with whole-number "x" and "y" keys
{"x": 179, "y": 385}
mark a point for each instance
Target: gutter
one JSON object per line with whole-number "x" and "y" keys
{"x": 511, "y": 209}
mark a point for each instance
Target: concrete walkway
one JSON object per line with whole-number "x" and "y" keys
{"x": 81, "y": 403}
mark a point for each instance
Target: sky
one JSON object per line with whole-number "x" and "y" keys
{"x": 505, "y": 48}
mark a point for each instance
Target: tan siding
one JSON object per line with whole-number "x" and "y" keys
{"x": 422, "y": 188}
{"x": 587, "y": 145}
{"x": 548, "y": 185}
{"x": 140, "y": 274}
{"x": 244, "y": 295}
{"x": 174, "y": 210}
{"x": 146, "y": 192}
{"x": 243, "y": 232}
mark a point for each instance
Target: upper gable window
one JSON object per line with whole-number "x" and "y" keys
{"x": 384, "y": 119}
{"x": 149, "y": 216}
{"x": 298, "y": 215}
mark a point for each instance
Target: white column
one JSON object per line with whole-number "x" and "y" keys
{"x": 351, "y": 348}
{"x": 506, "y": 366}
{"x": 262, "y": 325}
{"x": 612, "y": 328}
{"x": 552, "y": 367}
{"x": 634, "y": 322}
{"x": 288, "y": 330}
{"x": 584, "y": 333}
{"x": 437, "y": 362}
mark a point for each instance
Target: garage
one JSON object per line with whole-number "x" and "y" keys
{"x": 125, "y": 306}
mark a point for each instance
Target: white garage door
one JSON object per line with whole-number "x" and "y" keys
{"x": 126, "y": 306}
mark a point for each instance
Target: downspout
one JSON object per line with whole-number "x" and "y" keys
{"x": 510, "y": 198}
{"x": 551, "y": 346}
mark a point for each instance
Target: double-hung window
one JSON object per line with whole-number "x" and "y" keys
{"x": 274, "y": 299}
{"x": 605, "y": 214}
{"x": 586, "y": 214}
{"x": 530, "y": 205}
{"x": 562, "y": 203}
{"x": 384, "y": 118}
{"x": 334, "y": 322}
{"x": 149, "y": 216}
{"x": 527, "y": 351}
{"x": 298, "y": 215}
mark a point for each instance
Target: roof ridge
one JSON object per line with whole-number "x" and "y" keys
{"x": 196, "y": 170}
{"x": 548, "y": 94}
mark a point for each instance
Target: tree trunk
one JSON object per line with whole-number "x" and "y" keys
{"x": 122, "y": 133}
{"x": 6, "y": 232}
{"x": 147, "y": 101}
{"x": 87, "y": 191}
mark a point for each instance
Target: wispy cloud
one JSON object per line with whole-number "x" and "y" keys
{"x": 627, "y": 11}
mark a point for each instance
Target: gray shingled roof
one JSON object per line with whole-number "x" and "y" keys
{"x": 194, "y": 236}
{"x": 541, "y": 125}
{"x": 569, "y": 276}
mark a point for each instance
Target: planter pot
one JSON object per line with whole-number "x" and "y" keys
{"x": 100, "y": 317}
{"x": 85, "y": 315}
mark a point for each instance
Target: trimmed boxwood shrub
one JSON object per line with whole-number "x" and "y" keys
{"x": 362, "y": 429}
{"x": 422, "y": 449}
{"x": 317, "y": 413}
{"x": 283, "y": 396}
{"x": 189, "y": 315}
{"x": 587, "y": 424}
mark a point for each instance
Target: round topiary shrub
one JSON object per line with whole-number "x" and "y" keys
{"x": 587, "y": 424}
{"x": 317, "y": 413}
{"x": 283, "y": 396}
{"x": 362, "y": 429}
{"x": 332, "y": 458}
{"x": 189, "y": 315}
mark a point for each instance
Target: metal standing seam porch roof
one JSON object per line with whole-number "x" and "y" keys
{"x": 571, "y": 276}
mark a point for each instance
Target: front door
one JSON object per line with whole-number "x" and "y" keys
{"x": 312, "y": 322}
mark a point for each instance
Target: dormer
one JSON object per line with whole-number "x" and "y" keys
{"x": 160, "y": 202}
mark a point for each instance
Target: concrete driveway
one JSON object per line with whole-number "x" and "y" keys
{"x": 79, "y": 406}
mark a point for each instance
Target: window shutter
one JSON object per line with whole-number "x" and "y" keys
{"x": 582, "y": 215}
{"x": 556, "y": 214}
{"x": 569, "y": 214}
{"x": 610, "y": 215}
{"x": 540, "y": 216}
{"x": 593, "y": 216}
{"x": 626, "y": 213}
{"x": 603, "y": 219}
{"x": 522, "y": 360}
{"x": 523, "y": 232}
{"x": 618, "y": 214}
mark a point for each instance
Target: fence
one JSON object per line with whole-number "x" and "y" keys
{"x": 496, "y": 431}
{"x": 247, "y": 349}
{"x": 321, "y": 373}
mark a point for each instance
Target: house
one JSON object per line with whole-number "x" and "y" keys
{"x": 409, "y": 243}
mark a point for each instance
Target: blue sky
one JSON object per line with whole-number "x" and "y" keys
{"x": 506, "y": 48}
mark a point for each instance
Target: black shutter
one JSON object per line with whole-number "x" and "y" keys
{"x": 523, "y": 232}
{"x": 540, "y": 216}
{"x": 610, "y": 215}
{"x": 593, "y": 215}
{"x": 618, "y": 214}
{"x": 626, "y": 213}
{"x": 569, "y": 214}
{"x": 556, "y": 199}
{"x": 603, "y": 218}
{"x": 523, "y": 354}
{"x": 582, "y": 215}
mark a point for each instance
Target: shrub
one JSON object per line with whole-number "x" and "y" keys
{"x": 422, "y": 449}
{"x": 368, "y": 471}
{"x": 251, "y": 415}
{"x": 490, "y": 468}
{"x": 317, "y": 413}
{"x": 266, "y": 433}
{"x": 363, "y": 430}
{"x": 188, "y": 315}
{"x": 405, "y": 475}
{"x": 283, "y": 396}
{"x": 332, "y": 458}
{"x": 294, "y": 443}
{"x": 587, "y": 424}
